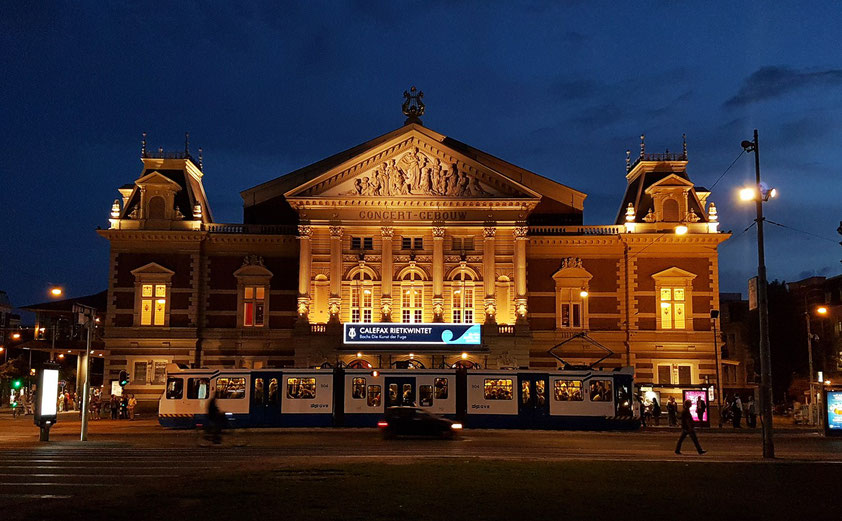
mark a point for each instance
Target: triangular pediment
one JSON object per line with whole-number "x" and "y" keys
{"x": 412, "y": 165}
{"x": 157, "y": 179}
{"x": 673, "y": 273}
{"x": 153, "y": 272}
{"x": 670, "y": 181}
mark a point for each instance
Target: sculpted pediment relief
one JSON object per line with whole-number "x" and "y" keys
{"x": 415, "y": 168}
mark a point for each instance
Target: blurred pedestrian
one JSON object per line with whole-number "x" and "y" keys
{"x": 672, "y": 412}
{"x": 701, "y": 407}
{"x": 656, "y": 411}
{"x": 688, "y": 429}
{"x": 751, "y": 410}
{"x": 737, "y": 410}
{"x": 115, "y": 406}
{"x": 131, "y": 405}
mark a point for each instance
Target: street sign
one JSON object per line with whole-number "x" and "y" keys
{"x": 752, "y": 293}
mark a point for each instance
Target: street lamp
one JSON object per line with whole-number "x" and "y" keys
{"x": 761, "y": 194}
{"x": 56, "y": 291}
{"x": 714, "y": 314}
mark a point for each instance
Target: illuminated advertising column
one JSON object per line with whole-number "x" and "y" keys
{"x": 46, "y": 400}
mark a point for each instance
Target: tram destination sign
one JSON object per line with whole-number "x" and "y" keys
{"x": 416, "y": 334}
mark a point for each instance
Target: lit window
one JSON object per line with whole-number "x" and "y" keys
{"x": 230, "y": 388}
{"x": 175, "y": 388}
{"x": 412, "y": 294}
{"x": 197, "y": 388}
{"x": 571, "y": 308}
{"x": 140, "y": 373}
{"x": 153, "y": 304}
{"x": 301, "y": 388}
{"x": 374, "y": 396}
{"x": 254, "y": 306}
{"x": 441, "y": 388}
{"x": 498, "y": 389}
{"x": 362, "y": 297}
{"x": 672, "y": 302}
{"x": 257, "y": 395}
{"x": 358, "y": 388}
{"x": 568, "y": 391}
{"x": 425, "y": 395}
{"x": 463, "y": 299}
{"x": 600, "y": 390}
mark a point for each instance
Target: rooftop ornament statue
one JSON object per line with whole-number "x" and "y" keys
{"x": 413, "y": 107}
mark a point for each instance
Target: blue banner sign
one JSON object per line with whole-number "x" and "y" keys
{"x": 415, "y": 334}
{"x": 834, "y": 410}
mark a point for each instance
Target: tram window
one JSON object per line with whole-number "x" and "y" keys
{"x": 441, "y": 389}
{"x": 197, "y": 388}
{"x": 541, "y": 392}
{"x": 393, "y": 394}
{"x": 301, "y": 388}
{"x": 568, "y": 391}
{"x": 257, "y": 396}
{"x": 230, "y": 388}
{"x": 407, "y": 397}
{"x": 624, "y": 400}
{"x": 498, "y": 389}
{"x": 425, "y": 395}
{"x": 525, "y": 393}
{"x": 600, "y": 390}
{"x": 273, "y": 391}
{"x": 175, "y": 388}
{"x": 358, "y": 388}
{"x": 373, "y": 396}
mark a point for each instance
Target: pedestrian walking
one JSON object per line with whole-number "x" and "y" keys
{"x": 656, "y": 411}
{"x": 751, "y": 409}
{"x": 688, "y": 429}
{"x": 737, "y": 410}
{"x": 672, "y": 412}
{"x": 131, "y": 405}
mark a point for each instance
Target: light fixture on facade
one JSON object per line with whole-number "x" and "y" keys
{"x": 583, "y": 293}
{"x": 15, "y": 336}
{"x": 115, "y": 209}
{"x": 464, "y": 356}
{"x": 359, "y": 355}
{"x": 821, "y": 310}
{"x": 197, "y": 212}
{"x": 412, "y": 356}
{"x": 680, "y": 229}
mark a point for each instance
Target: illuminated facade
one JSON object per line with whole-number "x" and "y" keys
{"x": 411, "y": 227}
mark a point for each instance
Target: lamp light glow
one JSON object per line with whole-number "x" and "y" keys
{"x": 583, "y": 293}
{"x": 821, "y": 310}
{"x": 748, "y": 194}
{"x": 680, "y": 229}
{"x": 56, "y": 292}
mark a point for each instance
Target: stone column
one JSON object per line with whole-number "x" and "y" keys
{"x": 438, "y": 273}
{"x": 386, "y": 263}
{"x": 489, "y": 272}
{"x": 520, "y": 272}
{"x": 335, "y": 300}
{"x": 305, "y": 248}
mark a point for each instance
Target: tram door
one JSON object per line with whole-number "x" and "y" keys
{"x": 400, "y": 391}
{"x": 534, "y": 404}
{"x": 266, "y": 398}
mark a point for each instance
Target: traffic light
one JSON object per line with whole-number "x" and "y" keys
{"x": 124, "y": 378}
{"x": 16, "y": 384}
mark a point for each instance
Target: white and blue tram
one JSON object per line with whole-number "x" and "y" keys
{"x": 567, "y": 399}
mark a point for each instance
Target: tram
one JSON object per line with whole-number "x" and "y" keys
{"x": 584, "y": 399}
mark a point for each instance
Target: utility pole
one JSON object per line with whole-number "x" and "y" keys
{"x": 714, "y": 314}
{"x": 763, "y": 307}
{"x": 86, "y": 315}
{"x": 810, "y": 406}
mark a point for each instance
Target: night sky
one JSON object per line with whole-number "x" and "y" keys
{"x": 559, "y": 88}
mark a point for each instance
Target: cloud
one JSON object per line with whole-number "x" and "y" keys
{"x": 773, "y": 82}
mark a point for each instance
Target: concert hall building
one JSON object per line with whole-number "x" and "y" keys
{"x": 427, "y": 234}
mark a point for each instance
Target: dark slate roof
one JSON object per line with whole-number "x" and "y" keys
{"x": 636, "y": 194}
{"x": 98, "y": 301}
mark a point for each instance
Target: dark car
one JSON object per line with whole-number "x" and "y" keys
{"x": 411, "y": 421}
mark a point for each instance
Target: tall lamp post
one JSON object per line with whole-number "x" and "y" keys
{"x": 821, "y": 310}
{"x": 714, "y": 314}
{"x": 761, "y": 193}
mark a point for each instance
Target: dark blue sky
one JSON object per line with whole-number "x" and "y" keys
{"x": 560, "y": 88}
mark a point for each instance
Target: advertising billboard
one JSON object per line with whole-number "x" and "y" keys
{"x": 834, "y": 413}
{"x": 694, "y": 397}
{"x": 412, "y": 334}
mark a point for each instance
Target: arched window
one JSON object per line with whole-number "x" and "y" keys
{"x": 462, "y": 291}
{"x": 412, "y": 297}
{"x": 362, "y": 297}
{"x": 670, "y": 210}
{"x": 156, "y": 207}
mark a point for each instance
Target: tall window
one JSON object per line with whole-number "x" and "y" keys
{"x": 412, "y": 294}
{"x": 153, "y": 304}
{"x": 672, "y": 308}
{"x": 254, "y": 306}
{"x": 412, "y": 243}
{"x": 463, "y": 298}
{"x": 571, "y": 307}
{"x": 362, "y": 297}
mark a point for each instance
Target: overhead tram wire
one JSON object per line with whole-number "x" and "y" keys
{"x": 726, "y": 170}
{"x": 801, "y": 231}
